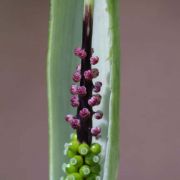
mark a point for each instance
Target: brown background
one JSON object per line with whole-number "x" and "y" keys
{"x": 150, "y": 117}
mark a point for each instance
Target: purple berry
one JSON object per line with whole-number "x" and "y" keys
{"x": 96, "y": 131}
{"x": 88, "y": 75}
{"x": 75, "y": 101}
{"x": 84, "y": 113}
{"x": 81, "y": 53}
{"x": 95, "y": 72}
{"x": 75, "y": 123}
{"x": 73, "y": 89}
{"x": 94, "y": 60}
{"x": 97, "y": 86}
{"x": 94, "y": 100}
{"x": 69, "y": 118}
{"x": 81, "y": 90}
{"x": 76, "y": 76}
{"x": 98, "y": 114}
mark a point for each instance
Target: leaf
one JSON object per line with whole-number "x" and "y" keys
{"x": 64, "y": 35}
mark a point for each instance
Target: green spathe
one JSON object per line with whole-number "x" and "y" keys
{"x": 64, "y": 35}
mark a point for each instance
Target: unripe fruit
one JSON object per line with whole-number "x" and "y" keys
{"x": 84, "y": 171}
{"x": 73, "y": 146}
{"x": 95, "y": 169}
{"x": 92, "y": 159}
{"x": 93, "y": 177}
{"x": 76, "y": 161}
{"x": 70, "y": 169}
{"x": 74, "y": 176}
{"x": 73, "y": 137}
{"x": 83, "y": 149}
{"x": 70, "y": 153}
{"x": 95, "y": 148}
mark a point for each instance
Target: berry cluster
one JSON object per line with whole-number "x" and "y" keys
{"x": 83, "y": 154}
{"x": 80, "y": 93}
{"x": 84, "y": 160}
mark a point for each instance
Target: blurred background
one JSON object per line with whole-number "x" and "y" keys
{"x": 150, "y": 110}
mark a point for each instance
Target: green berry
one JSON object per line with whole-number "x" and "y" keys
{"x": 96, "y": 159}
{"x": 91, "y": 159}
{"x": 83, "y": 149}
{"x": 96, "y": 169}
{"x": 70, "y": 153}
{"x": 84, "y": 170}
{"x": 73, "y": 137}
{"x": 73, "y": 146}
{"x": 95, "y": 148}
{"x": 74, "y": 176}
{"x": 70, "y": 169}
{"x": 93, "y": 177}
{"x": 76, "y": 161}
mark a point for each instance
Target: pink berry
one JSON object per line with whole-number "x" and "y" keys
{"x": 81, "y": 90}
{"x": 98, "y": 114}
{"x": 98, "y": 99}
{"x": 76, "y": 76}
{"x": 91, "y": 73}
{"x": 75, "y": 101}
{"x": 94, "y": 100}
{"x": 88, "y": 75}
{"x": 81, "y": 53}
{"x": 69, "y": 118}
{"x": 75, "y": 123}
{"x": 95, "y": 72}
{"x": 84, "y": 113}
{"x": 96, "y": 131}
{"x": 97, "y": 86}
{"x": 94, "y": 60}
{"x": 73, "y": 89}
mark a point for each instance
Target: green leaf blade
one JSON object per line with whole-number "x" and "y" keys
{"x": 64, "y": 36}
{"x": 107, "y": 42}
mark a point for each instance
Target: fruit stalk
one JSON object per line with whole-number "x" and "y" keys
{"x": 84, "y": 132}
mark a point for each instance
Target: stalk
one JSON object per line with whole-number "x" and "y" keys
{"x": 84, "y": 133}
